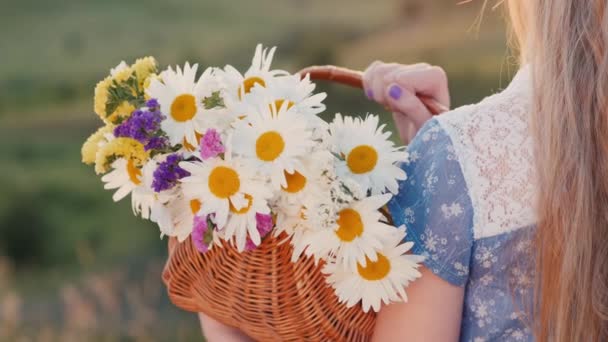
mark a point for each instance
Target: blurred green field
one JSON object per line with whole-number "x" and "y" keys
{"x": 76, "y": 266}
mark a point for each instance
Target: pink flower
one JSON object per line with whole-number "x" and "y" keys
{"x": 211, "y": 144}
{"x": 264, "y": 223}
{"x": 249, "y": 245}
{"x": 264, "y": 226}
{"x": 199, "y": 232}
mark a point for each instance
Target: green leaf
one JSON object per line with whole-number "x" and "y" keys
{"x": 208, "y": 236}
{"x": 213, "y": 101}
{"x": 121, "y": 92}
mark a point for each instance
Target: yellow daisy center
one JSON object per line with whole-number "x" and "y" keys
{"x": 350, "y": 225}
{"x": 279, "y": 103}
{"x": 134, "y": 172}
{"x": 183, "y": 108}
{"x": 362, "y": 159}
{"x": 195, "y": 206}
{"x": 250, "y": 83}
{"x": 224, "y": 182}
{"x": 269, "y": 146}
{"x": 244, "y": 209}
{"x": 295, "y": 182}
{"x": 375, "y": 270}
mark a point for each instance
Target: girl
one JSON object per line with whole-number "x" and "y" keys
{"x": 508, "y": 198}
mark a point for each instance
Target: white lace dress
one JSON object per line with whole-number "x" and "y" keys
{"x": 468, "y": 206}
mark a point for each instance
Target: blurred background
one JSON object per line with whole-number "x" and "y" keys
{"x": 76, "y": 266}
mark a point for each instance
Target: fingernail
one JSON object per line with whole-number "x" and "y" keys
{"x": 395, "y": 92}
{"x": 370, "y": 94}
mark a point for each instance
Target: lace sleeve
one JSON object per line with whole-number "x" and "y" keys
{"x": 434, "y": 205}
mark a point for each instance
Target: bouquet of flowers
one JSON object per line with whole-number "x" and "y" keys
{"x": 221, "y": 156}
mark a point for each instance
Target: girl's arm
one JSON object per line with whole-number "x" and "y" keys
{"x": 215, "y": 331}
{"x": 434, "y": 308}
{"x": 433, "y": 313}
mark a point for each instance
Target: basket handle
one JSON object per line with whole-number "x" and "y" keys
{"x": 354, "y": 79}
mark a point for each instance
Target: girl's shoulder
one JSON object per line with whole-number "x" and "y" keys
{"x": 492, "y": 142}
{"x": 509, "y": 108}
{"x": 470, "y": 177}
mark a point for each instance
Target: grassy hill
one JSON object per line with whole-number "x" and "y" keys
{"x": 54, "y": 52}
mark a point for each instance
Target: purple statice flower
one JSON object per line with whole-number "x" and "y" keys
{"x": 264, "y": 226}
{"x": 152, "y": 104}
{"x": 168, "y": 173}
{"x": 144, "y": 126}
{"x": 200, "y": 232}
{"x": 156, "y": 143}
{"x": 211, "y": 144}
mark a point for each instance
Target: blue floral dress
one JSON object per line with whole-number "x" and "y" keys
{"x": 468, "y": 207}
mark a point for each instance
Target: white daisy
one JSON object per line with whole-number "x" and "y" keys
{"x": 367, "y": 154}
{"x": 129, "y": 179}
{"x": 305, "y": 182}
{"x": 242, "y": 223}
{"x": 143, "y": 197}
{"x": 176, "y": 217}
{"x": 237, "y": 87}
{"x": 303, "y": 188}
{"x": 181, "y": 100}
{"x": 382, "y": 280}
{"x": 294, "y": 92}
{"x": 273, "y": 142}
{"x": 357, "y": 235}
{"x": 291, "y": 220}
{"x": 125, "y": 177}
{"x": 221, "y": 184}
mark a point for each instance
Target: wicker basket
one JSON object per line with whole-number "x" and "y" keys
{"x": 262, "y": 292}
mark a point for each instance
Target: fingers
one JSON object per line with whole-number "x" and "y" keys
{"x": 420, "y": 78}
{"x": 405, "y": 127}
{"x": 403, "y": 101}
{"x": 430, "y": 81}
{"x": 398, "y": 87}
{"x": 373, "y": 80}
{"x": 367, "y": 79}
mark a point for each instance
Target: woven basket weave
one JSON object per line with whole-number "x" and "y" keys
{"x": 261, "y": 292}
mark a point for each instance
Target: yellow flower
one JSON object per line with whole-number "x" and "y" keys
{"x": 144, "y": 67}
{"x": 122, "y": 75}
{"x": 127, "y": 148}
{"x": 101, "y": 97}
{"x": 91, "y": 146}
{"x": 151, "y": 78}
{"x": 122, "y": 112}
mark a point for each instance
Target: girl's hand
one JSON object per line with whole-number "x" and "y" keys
{"x": 395, "y": 86}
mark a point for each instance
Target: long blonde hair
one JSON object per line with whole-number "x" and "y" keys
{"x": 566, "y": 41}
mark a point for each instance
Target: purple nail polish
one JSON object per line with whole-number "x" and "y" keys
{"x": 370, "y": 94}
{"x": 395, "y": 92}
